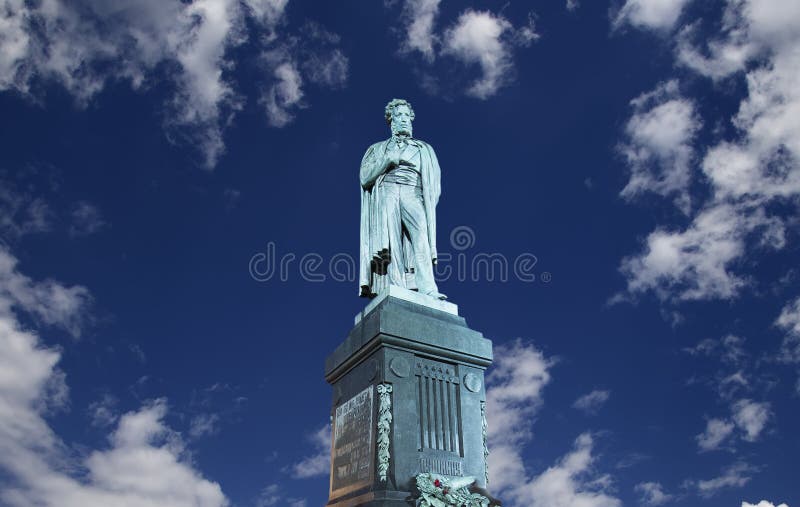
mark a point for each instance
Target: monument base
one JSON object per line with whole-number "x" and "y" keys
{"x": 408, "y": 399}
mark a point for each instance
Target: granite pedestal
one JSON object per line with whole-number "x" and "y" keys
{"x": 408, "y": 398}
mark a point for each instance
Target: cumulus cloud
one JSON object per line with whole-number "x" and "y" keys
{"x": 317, "y": 464}
{"x": 573, "y": 5}
{"x": 789, "y": 320}
{"x": 652, "y": 493}
{"x": 284, "y": 95}
{"x": 763, "y": 503}
{"x": 592, "y": 402}
{"x": 730, "y": 349}
{"x": 751, "y": 417}
{"x": 22, "y": 213}
{"x": 144, "y": 463}
{"x": 204, "y": 425}
{"x": 103, "y": 412}
{"x": 513, "y": 396}
{"x": 477, "y": 38}
{"x": 312, "y": 57}
{"x": 747, "y": 173}
{"x": 480, "y": 37}
{"x": 716, "y": 432}
{"x": 697, "y": 263}
{"x": 50, "y": 302}
{"x": 514, "y": 391}
{"x": 419, "y": 17}
{"x": 273, "y": 495}
{"x": 650, "y": 14}
{"x": 86, "y": 44}
{"x": 86, "y": 219}
{"x": 568, "y": 483}
{"x": 735, "y": 476}
{"x": 658, "y": 148}
{"x": 268, "y": 13}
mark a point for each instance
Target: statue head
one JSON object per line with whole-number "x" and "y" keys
{"x": 399, "y": 115}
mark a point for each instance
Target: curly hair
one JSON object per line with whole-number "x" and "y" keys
{"x": 393, "y": 104}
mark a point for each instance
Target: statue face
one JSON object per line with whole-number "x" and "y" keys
{"x": 401, "y": 120}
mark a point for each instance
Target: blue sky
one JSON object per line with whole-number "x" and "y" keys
{"x": 634, "y": 163}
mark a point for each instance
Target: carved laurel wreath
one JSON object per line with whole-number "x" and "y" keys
{"x": 440, "y": 491}
{"x": 384, "y": 428}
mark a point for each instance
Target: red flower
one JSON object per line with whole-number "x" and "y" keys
{"x": 437, "y": 483}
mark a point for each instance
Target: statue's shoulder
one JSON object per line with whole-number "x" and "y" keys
{"x": 375, "y": 146}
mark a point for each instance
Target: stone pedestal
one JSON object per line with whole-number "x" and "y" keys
{"x": 408, "y": 398}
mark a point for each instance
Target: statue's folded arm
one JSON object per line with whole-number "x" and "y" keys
{"x": 372, "y": 165}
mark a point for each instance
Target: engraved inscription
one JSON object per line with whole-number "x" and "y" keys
{"x": 351, "y": 455}
{"x": 440, "y": 466}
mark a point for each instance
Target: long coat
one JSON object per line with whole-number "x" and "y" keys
{"x": 374, "y": 222}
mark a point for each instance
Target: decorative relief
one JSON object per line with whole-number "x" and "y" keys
{"x": 384, "y": 428}
{"x": 373, "y": 368}
{"x": 439, "y": 491}
{"x": 472, "y": 382}
{"x": 438, "y": 406}
{"x": 484, "y": 427}
{"x": 400, "y": 367}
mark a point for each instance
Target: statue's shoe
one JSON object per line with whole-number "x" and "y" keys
{"x": 437, "y": 295}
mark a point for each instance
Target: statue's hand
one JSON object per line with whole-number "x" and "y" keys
{"x": 393, "y": 156}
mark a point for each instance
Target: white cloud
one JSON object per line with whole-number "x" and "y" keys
{"x": 573, "y": 5}
{"x": 476, "y": 38}
{"x": 143, "y": 465}
{"x": 21, "y": 213}
{"x": 104, "y": 411}
{"x": 84, "y": 45}
{"x": 568, "y": 483}
{"x": 203, "y": 425}
{"x": 734, "y": 476}
{"x": 747, "y": 173}
{"x": 285, "y": 94}
{"x": 269, "y": 496}
{"x": 650, "y": 14}
{"x": 591, "y": 402}
{"x": 311, "y": 57}
{"x": 659, "y": 141}
{"x": 272, "y": 495}
{"x": 419, "y": 17}
{"x": 70, "y": 43}
{"x": 652, "y": 493}
{"x": 268, "y": 13}
{"x": 317, "y": 464}
{"x": 53, "y": 303}
{"x": 763, "y": 503}
{"x": 789, "y": 320}
{"x": 751, "y": 417}
{"x": 716, "y": 432}
{"x": 86, "y": 219}
{"x": 697, "y": 263}
{"x": 513, "y": 396}
{"x": 730, "y": 349}
{"x": 514, "y": 391}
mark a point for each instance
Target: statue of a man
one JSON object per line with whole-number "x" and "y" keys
{"x": 400, "y": 186}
